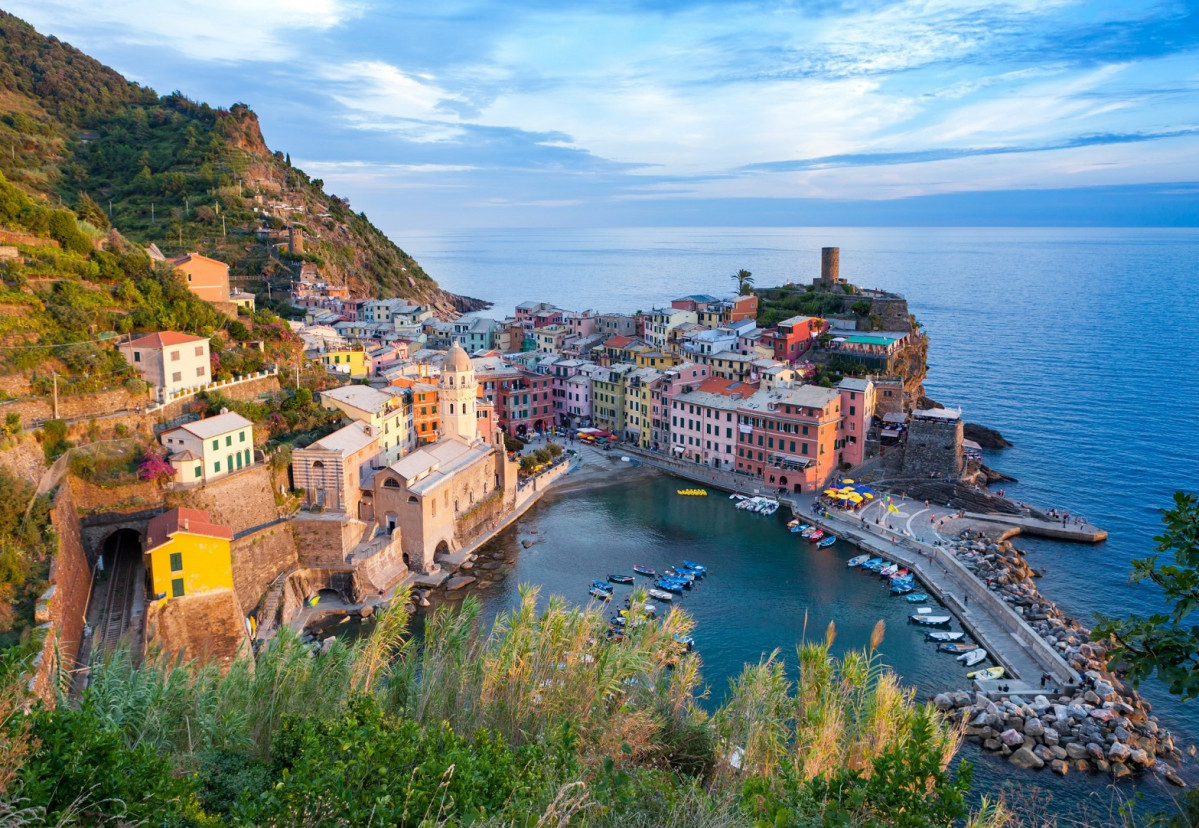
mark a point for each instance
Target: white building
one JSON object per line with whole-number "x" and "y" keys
{"x": 169, "y": 362}
{"x": 211, "y": 448}
{"x": 382, "y": 409}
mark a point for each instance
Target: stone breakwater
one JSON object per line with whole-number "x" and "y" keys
{"x": 1100, "y": 726}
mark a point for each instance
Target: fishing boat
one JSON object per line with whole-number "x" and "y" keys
{"x": 888, "y": 570}
{"x": 693, "y": 492}
{"x": 644, "y": 570}
{"x": 800, "y": 528}
{"x": 902, "y": 573}
{"x": 620, "y": 579}
{"x": 918, "y": 598}
{"x": 698, "y": 567}
{"x": 659, "y": 594}
{"x": 944, "y": 636}
{"x": 807, "y": 531}
{"x": 602, "y": 594}
{"x": 930, "y": 620}
{"x": 873, "y": 565}
{"x": 972, "y": 657}
{"x": 680, "y": 574}
{"x": 990, "y": 673}
{"x": 857, "y": 560}
{"x": 669, "y": 586}
{"x": 816, "y": 536}
{"x": 685, "y": 640}
{"x": 696, "y": 574}
{"x": 825, "y": 543}
{"x": 901, "y": 588}
{"x": 956, "y": 648}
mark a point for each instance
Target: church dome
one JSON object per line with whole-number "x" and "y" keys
{"x": 457, "y": 360}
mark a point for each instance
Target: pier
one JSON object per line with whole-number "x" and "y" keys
{"x": 994, "y": 624}
{"x": 1028, "y": 525}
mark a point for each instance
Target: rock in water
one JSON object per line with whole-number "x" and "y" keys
{"x": 987, "y": 438}
{"x": 1025, "y": 758}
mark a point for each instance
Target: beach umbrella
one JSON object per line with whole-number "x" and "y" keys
{"x": 868, "y": 494}
{"x": 855, "y": 498}
{"x": 846, "y": 482}
{"x": 830, "y": 492}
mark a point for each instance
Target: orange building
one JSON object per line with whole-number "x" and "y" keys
{"x": 207, "y": 278}
{"x": 426, "y": 421}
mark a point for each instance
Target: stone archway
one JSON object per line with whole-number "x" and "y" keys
{"x": 441, "y": 551}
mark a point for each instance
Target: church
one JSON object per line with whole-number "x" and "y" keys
{"x": 443, "y": 494}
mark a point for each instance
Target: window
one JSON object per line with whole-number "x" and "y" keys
{"x": 177, "y": 588}
{"x": 137, "y": 356}
{"x": 200, "y": 371}
{"x": 228, "y": 439}
{"x": 175, "y": 356}
{"x": 241, "y": 436}
{"x": 177, "y": 376}
{"x": 176, "y": 561}
{"x": 199, "y": 471}
{"x": 216, "y": 467}
{"x": 216, "y": 444}
{"x": 199, "y": 350}
{"x": 247, "y": 454}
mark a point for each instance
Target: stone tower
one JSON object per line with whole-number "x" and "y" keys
{"x": 295, "y": 239}
{"x": 830, "y": 265}
{"x": 456, "y": 394}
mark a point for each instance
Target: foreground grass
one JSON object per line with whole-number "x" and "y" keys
{"x": 540, "y": 722}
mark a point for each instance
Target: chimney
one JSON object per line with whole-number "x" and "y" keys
{"x": 830, "y": 265}
{"x": 186, "y": 524}
{"x": 224, "y": 410}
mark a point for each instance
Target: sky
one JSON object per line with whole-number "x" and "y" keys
{"x": 502, "y": 113}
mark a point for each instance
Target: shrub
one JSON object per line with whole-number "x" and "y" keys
{"x": 53, "y": 436}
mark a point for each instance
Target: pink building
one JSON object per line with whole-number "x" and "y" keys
{"x": 581, "y": 323}
{"x": 788, "y": 436}
{"x": 703, "y": 422}
{"x": 857, "y": 411}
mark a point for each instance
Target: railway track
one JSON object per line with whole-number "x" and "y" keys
{"x": 120, "y": 591}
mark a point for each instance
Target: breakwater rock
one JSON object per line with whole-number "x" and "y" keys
{"x": 1100, "y": 725}
{"x": 987, "y": 438}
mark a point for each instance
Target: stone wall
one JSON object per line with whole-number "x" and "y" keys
{"x": 61, "y": 609}
{"x": 934, "y": 449}
{"x": 326, "y": 540}
{"x": 22, "y": 455}
{"x": 92, "y": 499}
{"x": 241, "y": 501}
{"x": 259, "y": 558}
{"x": 205, "y": 627}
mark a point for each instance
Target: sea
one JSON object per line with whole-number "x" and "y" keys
{"x": 1078, "y": 344}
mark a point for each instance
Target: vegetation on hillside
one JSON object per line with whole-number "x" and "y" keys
{"x": 169, "y": 170}
{"x": 26, "y": 545}
{"x": 542, "y": 722}
{"x": 777, "y": 304}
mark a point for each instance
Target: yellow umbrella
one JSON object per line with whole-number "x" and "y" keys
{"x": 855, "y": 498}
{"x": 842, "y": 496}
{"x": 846, "y": 482}
{"x": 830, "y": 492}
{"x": 867, "y": 494}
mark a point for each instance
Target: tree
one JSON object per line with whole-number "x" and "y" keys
{"x": 1162, "y": 643}
{"x": 860, "y": 307}
{"x": 745, "y": 282}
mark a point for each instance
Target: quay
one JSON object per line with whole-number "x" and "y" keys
{"x": 994, "y": 624}
{"x": 1029, "y": 525}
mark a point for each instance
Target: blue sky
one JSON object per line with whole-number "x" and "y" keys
{"x": 482, "y": 114}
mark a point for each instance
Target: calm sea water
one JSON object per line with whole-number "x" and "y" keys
{"x": 1078, "y": 344}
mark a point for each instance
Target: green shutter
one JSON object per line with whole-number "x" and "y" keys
{"x": 177, "y": 588}
{"x": 176, "y": 561}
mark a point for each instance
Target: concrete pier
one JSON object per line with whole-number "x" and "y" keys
{"x": 1027, "y": 525}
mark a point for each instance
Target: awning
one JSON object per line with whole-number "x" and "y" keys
{"x": 678, "y": 449}
{"x": 890, "y": 432}
{"x": 792, "y": 461}
{"x": 895, "y": 417}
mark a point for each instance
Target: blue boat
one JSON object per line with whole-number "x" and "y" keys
{"x": 680, "y": 574}
{"x": 874, "y": 564}
{"x": 670, "y": 586}
{"x": 686, "y": 640}
{"x": 918, "y": 598}
{"x": 901, "y": 589}
{"x": 694, "y": 573}
{"x": 826, "y": 542}
{"x": 696, "y": 566}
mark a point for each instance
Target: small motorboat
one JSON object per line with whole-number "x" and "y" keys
{"x": 918, "y": 598}
{"x": 873, "y": 564}
{"x": 695, "y": 566}
{"x": 678, "y": 574}
{"x": 956, "y": 648}
{"x": 902, "y": 573}
{"x": 990, "y": 673}
{"x": 694, "y": 574}
{"x": 644, "y": 570}
{"x": 621, "y": 579}
{"x": 685, "y": 640}
{"x": 929, "y": 620}
{"x": 901, "y": 588}
{"x": 659, "y": 594}
{"x": 972, "y": 657}
{"x": 888, "y": 570}
{"x": 858, "y": 560}
{"x": 769, "y": 508}
{"x": 800, "y": 528}
{"x": 825, "y": 543}
{"x": 944, "y": 636}
{"x": 791, "y": 524}
{"x": 601, "y": 592}
{"x": 816, "y": 536}
{"x": 807, "y": 531}
{"x": 669, "y": 586}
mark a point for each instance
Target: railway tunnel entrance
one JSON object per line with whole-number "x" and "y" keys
{"x": 118, "y": 605}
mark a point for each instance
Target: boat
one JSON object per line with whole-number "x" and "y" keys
{"x": 990, "y": 673}
{"x": 685, "y": 640}
{"x": 857, "y": 561}
{"x": 602, "y": 594}
{"x": 930, "y": 620}
{"x": 902, "y": 573}
{"x": 659, "y": 594}
{"x": 918, "y": 598}
{"x": 808, "y": 530}
{"x": 735, "y": 496}
{"x": 902, "y": 588}
{"x": 972, "y": 657}
{"x": 816, "y": 536}
{"x": 956, "y": 648}
{"x": 924, "y": 610}
{"x": 800, "y": 528}
{"x": 644, "y": 570}
{"x": 825, "y": 543}
{"x": 888, "y": 570}
{"x": 873, "y": 563}
{"x": 698, "y": 567}
{"x": 678, "y": 574}
{"x": 669, "y": 586}
{"x": 621, "y": 579}
{"x": 944, "y": 636}
{"x": 769, "y": 508}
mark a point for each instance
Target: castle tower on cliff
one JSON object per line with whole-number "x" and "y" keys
{"x": 830, "y": 266}
{"x": 457, "y": 391}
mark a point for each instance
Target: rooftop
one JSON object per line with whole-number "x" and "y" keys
{"x": 163, "y": 339}
{"x": 428, "y": 467}
{"x": 215, "y": 426}
{"x": 192, "y": 521}
{"x": 345, "y": 440}
{"x": 362, "y": 397}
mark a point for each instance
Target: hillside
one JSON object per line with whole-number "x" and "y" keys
{"x": 181, "y": 174}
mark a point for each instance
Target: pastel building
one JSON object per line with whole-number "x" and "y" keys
{"x": 383, "y": 410}
{"x": 205, "y": 277}
{"x": 857, "y": 412}
{"x": 187, "y": 554}
{"x": 211, "y": 448}
{"x": 704, "y": 423}
{"x": 336, "y": 469}
{"x": 169, "y": 362}
{"x": 788, "y": 436}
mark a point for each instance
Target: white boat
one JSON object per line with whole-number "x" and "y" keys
{"x": 770, "y": 508}
{"x": 858, "y": 561}
{"x": 659, "y": 594}
{"x": 973, "y": 657}
{"x": 930, "y": 620}
{"x": 944, "y": 636}
{"x": 924, "y": 610}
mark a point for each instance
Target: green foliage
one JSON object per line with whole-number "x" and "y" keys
{"x": 860, "y": 307}
{"x": 1164, "y": 643}
{"x": 745, "y": 282}
{"x": 26, "y": 543}
{"x": 53, "y": 435}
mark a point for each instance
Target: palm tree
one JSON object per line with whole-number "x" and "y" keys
{"x": 745, "y": 282}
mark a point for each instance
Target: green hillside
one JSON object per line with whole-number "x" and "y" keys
{"x": 181, "y": 174}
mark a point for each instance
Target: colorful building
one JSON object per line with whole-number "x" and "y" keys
{"x": 334, "y": 471}
{"x": 169, "y": 362}
{"x": 704, "y": 422}
{"x": 791, "y": 338}
{"x": 382, "y": 409}
{"x": 350, "y": 361}
{"x": 211, "y": 448}
{"x": 788, "y": 436}
{"x": 187, "y": 554}
{"x": 857, "y": 412}
{"x": 207, "y": 278}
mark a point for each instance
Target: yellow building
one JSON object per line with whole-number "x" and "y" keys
{"x": 187, "y": 554}
{"x": 346, "y": 362}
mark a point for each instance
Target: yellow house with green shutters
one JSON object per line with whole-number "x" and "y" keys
{"x": 352, "y": 362}
{"x": 187, "y": 554}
